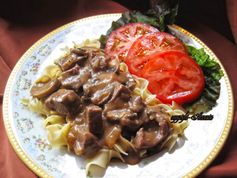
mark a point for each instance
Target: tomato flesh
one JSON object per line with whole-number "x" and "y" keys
{"x": 159, "y": 57}
{"x": 174, "y": 76}
{"x": 149, "y": 44}
{"x": 155, "y": 42}
{"x": 120, "y": 40}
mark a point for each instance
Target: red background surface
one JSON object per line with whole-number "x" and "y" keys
{"x": 24, "y": 22}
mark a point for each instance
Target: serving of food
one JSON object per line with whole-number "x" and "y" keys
{"x": 81, "y": 101}
{"x": 94, "y": 106}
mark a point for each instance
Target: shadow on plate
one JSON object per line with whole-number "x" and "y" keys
{"x": 146, "y": 161}
{"x": 100, "y": 172}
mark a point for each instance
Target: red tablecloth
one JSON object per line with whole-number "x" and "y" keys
{"x": 16, "y": 39}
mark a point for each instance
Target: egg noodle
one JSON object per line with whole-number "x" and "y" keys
{"x": 58, "y": 127}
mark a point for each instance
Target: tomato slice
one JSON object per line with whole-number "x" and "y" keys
{"x": 174, "y": 76}
{"x": 155, "y": 42}
{"x": 149, "y": 44}
{"x": 120, "y": 40}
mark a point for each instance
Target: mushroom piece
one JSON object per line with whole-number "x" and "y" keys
{"x": 41, "y": 90}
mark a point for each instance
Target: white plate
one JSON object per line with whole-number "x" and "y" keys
{"x": 28, "y": 137}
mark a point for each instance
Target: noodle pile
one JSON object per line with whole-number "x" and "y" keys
{"x": 58, "y": 127}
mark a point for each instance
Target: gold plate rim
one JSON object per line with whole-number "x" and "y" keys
{"x": 41, "y": 172}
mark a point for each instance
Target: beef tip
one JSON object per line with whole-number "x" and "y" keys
{"x": 118, "y": 110}
{"x": 117, "y": 115}
{"x": 119, "y": 99}
{"x": 151, "y": 134}
{"x": 73, "y": 71}
{"x": 98, "y": 82}
{"x": 145, "y": 139}
{"x": 112, "y": 76}
{"x": 74, "y": 78}
{"x": 102, "y": 96}
{"x": 117, "y": 104}
{"x": 126, "y": 79}
{"x": 99, "y": 62}
{"x": 77, "y": 56}
{"x": 157, "y": 113}
{"x": 109, "y": 92}
{"x": 134, "y": 121}
{"x": 121, "y": 77}
{"x": 89, "y": 52}
{"x": 81, "y": 141}
{"x": 136, "y": 104}
{"x": 70, "y": 60}
{"x": 93, "y": 116}
{"x": 101, "y": 80}
{"x": 63, "y": 101}
{"x": 125, "y": 117}
{"x": 120, "y": 91}
{"x": 92, "y": 85}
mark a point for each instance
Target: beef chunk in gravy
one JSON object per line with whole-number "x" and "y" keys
{"x": 120, "y": 91}
{"x": 136, "y": 104}
{"x": 81, "y": 141}
{"x": 118, "y": 109}
{"x": 76, "y": 56}
{"x": 99, "y": 81}
{"x": 74, "y": 78}
{"x": 153, "y": 132}
{"x": 64, "y": 102}
{"x": 99, "y": 62}
{"x": 93, "y": 116}
{"x": 99, "y": 97}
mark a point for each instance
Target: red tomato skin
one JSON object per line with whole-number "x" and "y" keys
{"x": 120, "y": 40}
{"x": 161, "y": 66}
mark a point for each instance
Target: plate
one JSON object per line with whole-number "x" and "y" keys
{"x": 28, "y": 137}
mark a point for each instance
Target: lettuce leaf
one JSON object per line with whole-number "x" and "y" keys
{"x": 213, "y": 74}
{"x": 165, "y": 11}
{"x": 210, "y": 67}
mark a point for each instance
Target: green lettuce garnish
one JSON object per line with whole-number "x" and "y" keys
{"x": 213, "y": 73}
{"x": 210, "y": 67}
